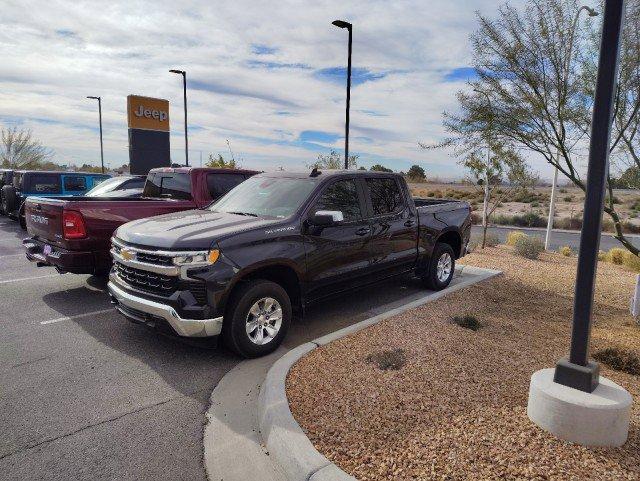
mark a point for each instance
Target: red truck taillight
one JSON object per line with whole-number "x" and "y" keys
{"x": 73, "y": 225}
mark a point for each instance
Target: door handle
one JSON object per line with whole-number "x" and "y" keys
{"x": 410, "y": 223}
{"x": 362, "y": 231}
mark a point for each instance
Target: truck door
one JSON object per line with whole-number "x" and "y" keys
{"x": 394, "y": 227}
{"x": 338, "y": 256}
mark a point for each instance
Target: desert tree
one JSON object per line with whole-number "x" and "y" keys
{"x": 535, "y": 79}
{"x": 416, "y": 173}
{"x": 220, "y": 162}
{"x": 333, "y": 161}
{"x": 19, "y": 150}
{"x": 380, "y": 168}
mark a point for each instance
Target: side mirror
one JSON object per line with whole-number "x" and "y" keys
{"x": 325, "y": 218}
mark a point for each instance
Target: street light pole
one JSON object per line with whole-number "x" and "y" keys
{"x": 577, "y": 371}
{"x": 100, "y": 120}
{"x": 349, "y": 27}
{"x": 184, "y": 91}
{"x": 552, "y": 202}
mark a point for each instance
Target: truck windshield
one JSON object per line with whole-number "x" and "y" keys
{"x": 265, "y": 196}
{"x": 168, "y": 185}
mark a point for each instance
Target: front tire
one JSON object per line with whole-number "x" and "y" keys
{"x": 257, "y": 319}
{"x": 441, "y": 267}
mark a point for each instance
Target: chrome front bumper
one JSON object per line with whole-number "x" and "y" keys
{"x": 183, "y": 327}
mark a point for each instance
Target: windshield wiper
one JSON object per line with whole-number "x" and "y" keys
{"x": 244, "y": 213}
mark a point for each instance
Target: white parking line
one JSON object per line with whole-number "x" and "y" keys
{"x": 77, "y": 316}
{"x": 12, "y": 255}
{"x": 28, "y": 278}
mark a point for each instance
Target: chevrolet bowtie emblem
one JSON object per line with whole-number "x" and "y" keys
{"x": 126, "y": 254}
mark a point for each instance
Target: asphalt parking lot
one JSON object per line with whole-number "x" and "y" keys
{"x": 84, "y": 394}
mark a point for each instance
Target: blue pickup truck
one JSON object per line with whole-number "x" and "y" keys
{"x": 36, "y": 183}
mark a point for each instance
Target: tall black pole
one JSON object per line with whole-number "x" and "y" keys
{"x": 186, "y": 137}
{"x": 349, "y": 27}
{"x": 346, "y": 128}
{"x": 184, "y": 92}
{"x": 100, "y": 118}
{"x": 577, "y": 371}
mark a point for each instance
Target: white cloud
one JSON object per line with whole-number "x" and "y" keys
{"x": 62, "y": 51}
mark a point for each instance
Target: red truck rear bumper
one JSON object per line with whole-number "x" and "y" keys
{"x": 76, "y": 262}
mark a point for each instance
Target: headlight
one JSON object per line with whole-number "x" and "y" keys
{"x": 194, "y": 258}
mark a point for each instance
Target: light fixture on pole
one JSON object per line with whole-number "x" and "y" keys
{"x": 552, "y": 203}
{"x": 100, "y": 122}
{"x": 349, "y": 27}
{"x": 184, "y": 91}
{"x": 572, "y": 401}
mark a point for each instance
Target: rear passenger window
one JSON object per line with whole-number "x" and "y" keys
{"x": 341, "y": 196}
{"x": 43, "y": 184}
{"x": 220, "y": 184}
{"x": 386, "y": 197}
{"x": 75, "y": 183}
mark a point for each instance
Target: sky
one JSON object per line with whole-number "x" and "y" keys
{"x": 269, "y": 77}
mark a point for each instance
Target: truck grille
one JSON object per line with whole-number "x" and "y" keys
{"x": 154, "y": 259}
{"x": 147, "y": 281}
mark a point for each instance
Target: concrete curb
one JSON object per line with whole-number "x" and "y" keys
{"x": 282, "y": 435}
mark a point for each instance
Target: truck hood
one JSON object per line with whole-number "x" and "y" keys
{"x": 192, "y": 229}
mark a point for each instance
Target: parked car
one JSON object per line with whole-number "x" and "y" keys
{"x": 73, "y": 234}
{"x": 122, "y": 186}
{"x": 275, "y": 244}
{"x": 6, "y": 177}
{"x": 41, "y": 184}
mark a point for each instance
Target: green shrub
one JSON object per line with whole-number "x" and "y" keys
{"x": 619, "y": 359}
{"x": 529, "y": 247}
{"x": 431, "y": 194}
{"x": 566, "y": 251}
{"x": 568, "y": 198}
{"x": 535, "y": 204}
{"x": 467, "y": 321}
{"x": 602, "y": 256}
{"x": 616, "y": 255}
{"x": 631, "y": 261}
{"x": 513, "y": 236}
{"x": 563, "y": 191}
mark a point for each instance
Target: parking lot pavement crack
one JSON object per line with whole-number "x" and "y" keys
{"x": 99, "y": 423}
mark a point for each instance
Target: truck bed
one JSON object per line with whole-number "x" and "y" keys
{"x": 433, "y": 205}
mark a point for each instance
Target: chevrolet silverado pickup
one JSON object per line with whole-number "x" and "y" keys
{"x": 275, "y": 244}
{"x": 74, "y": 234}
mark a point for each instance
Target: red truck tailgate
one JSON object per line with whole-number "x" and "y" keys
{"x": 44, "y": 220}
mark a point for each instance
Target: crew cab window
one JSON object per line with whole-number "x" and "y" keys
{"x": 75, "y": 183}
{"x": 173, "y": 185}
{"x": 133, "y": 184}
{"x": 220, "y": 184}
{"x": 386, "y": 196}
{"x": 341, "y": 196}
{"x": 43, "y": 184}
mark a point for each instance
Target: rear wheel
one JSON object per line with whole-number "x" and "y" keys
{"x": 257, "y": 319}
{"x": 441, "y": 267}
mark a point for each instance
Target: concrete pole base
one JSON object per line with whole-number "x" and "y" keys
{"x": 600, "y": 418}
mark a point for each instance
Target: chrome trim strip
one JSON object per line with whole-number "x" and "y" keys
{"x": 184, "y": 327}
{"x": 155, "y": 268}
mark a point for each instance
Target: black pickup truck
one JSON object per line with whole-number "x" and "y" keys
{"x": 273, "y": 245}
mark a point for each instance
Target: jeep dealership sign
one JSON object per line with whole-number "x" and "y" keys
{"x": 148, "y": 120}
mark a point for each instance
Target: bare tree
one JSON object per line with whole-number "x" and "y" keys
{"x": 19, "y": 150}
{"x": 540, "y": 90}
{"x": 333, "y": 160}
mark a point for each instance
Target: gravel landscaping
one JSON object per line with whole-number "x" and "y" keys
{"x": 419, "y": 396}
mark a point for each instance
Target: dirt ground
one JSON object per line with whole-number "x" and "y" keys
{"x": 453, "y": 403}
{"x": 569, "y": 200}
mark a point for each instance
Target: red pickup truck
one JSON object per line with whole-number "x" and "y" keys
{"x": 73, "y": 234}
